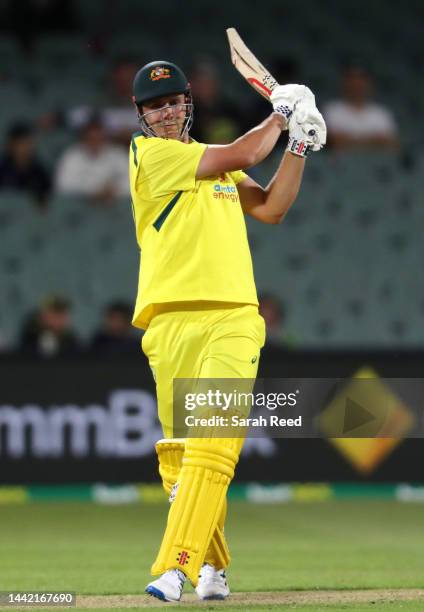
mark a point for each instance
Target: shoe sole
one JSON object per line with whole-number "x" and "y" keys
{"x": 214, "y": 597}
{"x": 154, "y": 592}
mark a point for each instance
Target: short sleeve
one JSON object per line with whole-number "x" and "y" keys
{"x": 238, "y": 176}
{"x": 169, "y": 165}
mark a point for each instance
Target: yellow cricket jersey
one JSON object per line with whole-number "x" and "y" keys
{"x": 191, "y": 233}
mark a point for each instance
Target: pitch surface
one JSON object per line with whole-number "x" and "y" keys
{"x": 350, "y": 555}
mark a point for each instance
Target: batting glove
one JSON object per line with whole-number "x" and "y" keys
{"x": 285, "y": 97}
{"x": 307, "y": 119}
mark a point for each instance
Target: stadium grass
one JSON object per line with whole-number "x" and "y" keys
{"x": 105, "y": 550}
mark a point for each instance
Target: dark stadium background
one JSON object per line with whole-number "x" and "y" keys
{"x": 341, "y": 276}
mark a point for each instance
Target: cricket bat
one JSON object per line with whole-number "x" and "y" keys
{"x": 251, "y": 68}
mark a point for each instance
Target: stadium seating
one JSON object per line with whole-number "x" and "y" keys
{"x": 346, "y": 259}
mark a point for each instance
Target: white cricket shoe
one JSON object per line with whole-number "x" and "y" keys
{"x": 212, "y": 583}
{"x": 168, "y": 587}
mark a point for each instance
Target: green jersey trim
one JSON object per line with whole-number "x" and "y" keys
{"x": 134, "y": 146}
{"x": 166, "y": 211}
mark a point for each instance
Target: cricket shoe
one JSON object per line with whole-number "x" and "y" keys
{"x": 212, "y": 583}
{"x": 168, "y": 587}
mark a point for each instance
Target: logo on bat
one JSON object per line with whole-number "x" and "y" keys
{"x": 160, "y": 73}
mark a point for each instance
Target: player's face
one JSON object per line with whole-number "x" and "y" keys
{"x": 166, "y": 115}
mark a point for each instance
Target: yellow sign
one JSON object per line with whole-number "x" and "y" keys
{"x": 366, "y": 406}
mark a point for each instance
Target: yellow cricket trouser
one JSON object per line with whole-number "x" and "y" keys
{"x": 200, "y": 340}
{"x": 208, "y": 343}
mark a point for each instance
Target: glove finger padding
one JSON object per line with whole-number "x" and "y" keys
{"x": 307, "y": 97}
{"x": 311, "y": 120}
{"x": 287, "y": 94}
{"x": 285, "y": 97}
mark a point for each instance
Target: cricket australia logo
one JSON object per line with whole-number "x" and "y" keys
{"x": 160, "y": 73}
{"x": 183, "y": 557}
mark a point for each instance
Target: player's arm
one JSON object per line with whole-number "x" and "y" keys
{"x": 307, "y": 132}
{"x": 271, "y": 204}
{"x": 245, "y": 152}
{"x": 254, "y": 146}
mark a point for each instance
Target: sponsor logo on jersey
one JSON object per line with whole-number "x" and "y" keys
{"x": 160, "y": 73}
{"x": 225, "y": 192}
{"x": 225, "y": 188}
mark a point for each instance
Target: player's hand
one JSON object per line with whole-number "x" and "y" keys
{"x": 308, "y": 118}
{"x": 284, "y": 98}
{"x": 307, "y": 130}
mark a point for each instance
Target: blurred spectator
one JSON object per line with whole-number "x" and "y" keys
{"x": 48, "y": 332}
{"x": 117, "y": 335}
{"x": 115, "y": 107}
{"x": 355, "y": 121}
{"x": 215, "y": 119}
{"x": 19, "y": 166}
{"x": 93, "y": 168}
{"x": 118, "y": 112}
{"x": 272, "y": 310}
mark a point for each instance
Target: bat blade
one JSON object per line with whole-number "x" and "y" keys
{"x": 249, "y": 66}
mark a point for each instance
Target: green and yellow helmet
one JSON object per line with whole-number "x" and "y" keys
{"x": 157, "y": 79}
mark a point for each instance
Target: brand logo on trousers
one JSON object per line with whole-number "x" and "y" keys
{"x": 183, "y": 557}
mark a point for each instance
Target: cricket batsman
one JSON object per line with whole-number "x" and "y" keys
{"x": 197, "y": 298}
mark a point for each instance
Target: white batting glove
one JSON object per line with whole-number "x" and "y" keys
{"x": 299, "y": 143}
{"x": 285, "y": 97}
{"x": 308, "y": 118}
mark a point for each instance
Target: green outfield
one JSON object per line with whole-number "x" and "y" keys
{"x": 298, "y": 555}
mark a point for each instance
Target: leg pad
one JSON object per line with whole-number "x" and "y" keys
{"x": 170, "y": 454}
{"x": 207, "y": 469}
